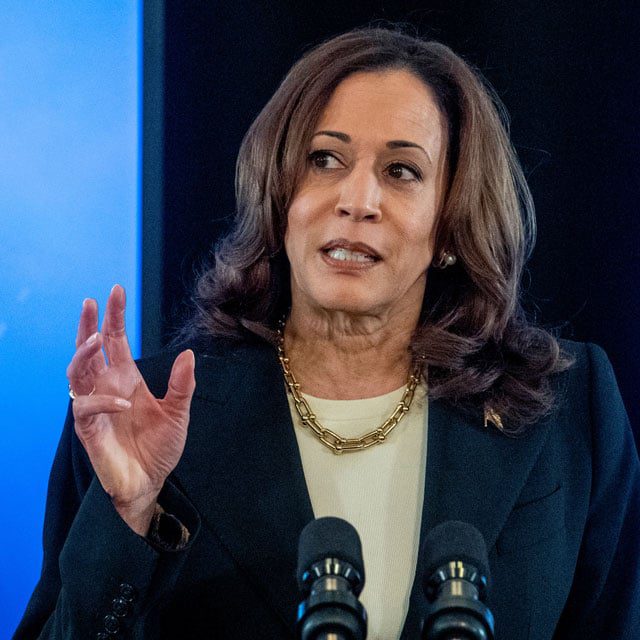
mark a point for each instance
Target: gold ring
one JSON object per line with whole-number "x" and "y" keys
{"x": 72, "y": 393}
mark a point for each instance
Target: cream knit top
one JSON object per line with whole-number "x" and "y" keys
{"x": 379, "y": 491}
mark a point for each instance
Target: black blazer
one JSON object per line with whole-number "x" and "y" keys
{"x": 559, "y": 510}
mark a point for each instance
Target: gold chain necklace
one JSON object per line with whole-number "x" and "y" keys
{"x": 337, "y": 443}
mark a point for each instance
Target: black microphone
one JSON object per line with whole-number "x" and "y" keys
{"x": 330, "y": 576}
{"x": 456, "y": 584}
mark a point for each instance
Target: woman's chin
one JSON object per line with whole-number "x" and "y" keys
{"x": 351, "y": 302}
{"x": 357, "y": 298}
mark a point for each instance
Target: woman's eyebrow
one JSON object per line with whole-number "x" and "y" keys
{"x": 334, "y": 134}
{"x": 398, "y": 144}
{"x": 392, "y": 144}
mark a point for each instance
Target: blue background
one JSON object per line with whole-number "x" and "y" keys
{"x": 69, "y": 228}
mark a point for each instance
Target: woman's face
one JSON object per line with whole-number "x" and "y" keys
{"x": 361, "y": 223}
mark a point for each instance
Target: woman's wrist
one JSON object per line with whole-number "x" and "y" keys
{"x": 138, "y": 513}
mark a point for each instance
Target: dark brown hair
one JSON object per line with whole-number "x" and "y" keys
{"x": 479, "y": 347}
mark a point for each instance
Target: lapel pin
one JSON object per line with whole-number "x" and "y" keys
{"x": 491, "y": 416}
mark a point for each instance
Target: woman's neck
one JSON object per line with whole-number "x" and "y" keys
{"x": 344, "y": 357}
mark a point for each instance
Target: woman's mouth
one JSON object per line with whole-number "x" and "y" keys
{"x": 345, "y": 252}
{"x": 343, "y": 255}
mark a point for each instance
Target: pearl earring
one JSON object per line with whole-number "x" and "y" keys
{"x": 447, "y": 259}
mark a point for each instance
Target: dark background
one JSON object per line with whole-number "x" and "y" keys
{"x": 568, "y": 73}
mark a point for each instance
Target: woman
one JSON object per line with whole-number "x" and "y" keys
{"x": 382, "y": 227}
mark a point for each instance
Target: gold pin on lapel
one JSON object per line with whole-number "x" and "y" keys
{"x": 493, "y": 417}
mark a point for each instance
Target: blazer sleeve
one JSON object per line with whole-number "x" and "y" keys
{"x": 605, "y": 597}
{"x": 98, "y": 576}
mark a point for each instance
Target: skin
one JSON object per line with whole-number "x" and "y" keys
{"x": 133, "y": 439}
{"x": 353, "y": 321}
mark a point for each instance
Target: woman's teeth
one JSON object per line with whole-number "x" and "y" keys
{"x": 345, "y": 254}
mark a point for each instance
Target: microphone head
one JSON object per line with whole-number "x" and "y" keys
{"x": 455, "y": 540}
{"x": 329, "y": 538}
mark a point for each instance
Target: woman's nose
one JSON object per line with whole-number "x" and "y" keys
{"x": 360, "y": 196}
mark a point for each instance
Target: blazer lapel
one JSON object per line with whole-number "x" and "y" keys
{"x": 244, "y": 472}
{"x": 474, "y": 474}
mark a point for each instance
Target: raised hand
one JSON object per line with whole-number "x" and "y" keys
{"x": 133, "y": 439}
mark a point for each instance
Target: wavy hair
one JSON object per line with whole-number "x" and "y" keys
{"x": 473, "y": 334}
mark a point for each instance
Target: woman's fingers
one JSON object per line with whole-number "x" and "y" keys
{"x": 86, "y": 406}
{"x": 86, "y": 365}
{"x": 182, "y": 381}
{"x": 88, "y": 323}
{"x": 116, "y": 344}
{"x": 87, "y": 328}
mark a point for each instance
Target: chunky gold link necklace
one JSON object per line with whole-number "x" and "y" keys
{"x": 337, "y": 443}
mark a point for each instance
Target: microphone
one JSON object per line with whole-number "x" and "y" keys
{"x": 331, "y": 576}
{"x": 456, "y": 583}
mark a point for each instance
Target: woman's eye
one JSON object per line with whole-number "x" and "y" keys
{"x": 403, "y": 172}
{"x": 324, "y": 160}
